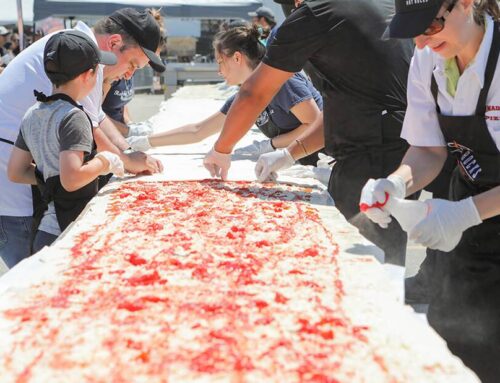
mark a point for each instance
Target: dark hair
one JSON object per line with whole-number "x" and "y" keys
{"x": 488, "y": 6}
{"x": 244, "y": 39}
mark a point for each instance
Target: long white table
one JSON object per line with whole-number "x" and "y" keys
{"x": 371, "y": 297}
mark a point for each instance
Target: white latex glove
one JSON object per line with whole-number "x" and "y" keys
{"x": 323, "y": 168}
{"x": 269, "y": 163}
{"x": 217, "y": 164}
{"x": 445, "y": 223}
{"x": 255, "y": 149}
{"x": 322, "y": 174}
{"x": 139, "y": 143}
{"x": 139, "y": 129}
{"x": 115, "y": 164}
{"x": 325, "y": 161}
{"x": 374, "y": 193}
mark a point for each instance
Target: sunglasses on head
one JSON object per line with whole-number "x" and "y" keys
{"x": 437, "y": 25}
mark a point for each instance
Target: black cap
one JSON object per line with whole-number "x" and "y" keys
{"x": 144, "y": 29}
{"x": 263, "y": 12}
{"x": 412, "y": 18}
{"x": 70, "y": 53}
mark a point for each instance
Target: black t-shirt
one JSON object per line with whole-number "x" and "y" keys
{"x": 364, "y": 76}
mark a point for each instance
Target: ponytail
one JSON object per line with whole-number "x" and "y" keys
{"x": 488, "y": 6}
{"x": 244, "y": 39}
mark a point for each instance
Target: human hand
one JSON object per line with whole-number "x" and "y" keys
{"x": 269, "y": 163}
{"x": 255, "y": 149}
{"x": 139, "y": 162}
{"x": 217, "y": 163}
{"x": 139, "y": 143}
{"x": 446, "y": 221}
{"x": 375, "y": 195}
{"x": 113, "y": 163}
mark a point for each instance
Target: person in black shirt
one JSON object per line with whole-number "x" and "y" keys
{"x": 364, "y": 103}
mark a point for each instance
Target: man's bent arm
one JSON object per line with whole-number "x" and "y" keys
{"x": 113, "y": 134}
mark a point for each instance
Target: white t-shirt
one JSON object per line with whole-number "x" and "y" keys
{"x": 23, "y": 75}
{"x": 421, "y": 126}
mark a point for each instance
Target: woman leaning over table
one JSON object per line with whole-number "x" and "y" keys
{"x": 454, "y": 105}
{"x": 238, "y": 51}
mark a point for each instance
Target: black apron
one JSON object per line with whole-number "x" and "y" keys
{"x": 68, "y": 205}
{"x": 370, "y": 150}
{"x": 466, "y": 310}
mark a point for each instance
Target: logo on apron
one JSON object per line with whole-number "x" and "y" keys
{"x": 466, "y": 160}
{"x": 262, "y": 119}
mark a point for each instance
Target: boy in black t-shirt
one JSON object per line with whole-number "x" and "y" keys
{"x": 57, "y": 135}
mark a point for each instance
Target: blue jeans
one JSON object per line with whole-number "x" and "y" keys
{"x": 15, "y": 239}
{"x": 42, "y": 239}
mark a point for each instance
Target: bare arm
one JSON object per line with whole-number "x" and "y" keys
{"x": 313, "y": 139}
{"x": 488, "y": 203}
{"x": 420, "y": 166}
{"x": 120, "y": 126}
{"x": 307, "y": 112}
{"x": 21, "y": 168}
{"x": 126, "y": 115}
{"x": 112, "y": 132}
{"x": 255, "y": 94}
{"x": 190, "y": 133}
{"x": 74, "y": 173}
{"x": 136, "y": 162}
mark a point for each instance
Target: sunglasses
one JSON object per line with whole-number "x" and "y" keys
{"x": 437, "y": 25}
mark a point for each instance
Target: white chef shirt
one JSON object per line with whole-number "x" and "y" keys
{"x": 23, "y": 75}
{"x": 421, "y": 125}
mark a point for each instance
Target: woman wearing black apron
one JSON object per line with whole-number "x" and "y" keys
{"x": 454, "y": 104}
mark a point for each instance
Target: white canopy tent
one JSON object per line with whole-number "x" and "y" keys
{"x": 213, "y": 9}
{"x": 8, "y": 13}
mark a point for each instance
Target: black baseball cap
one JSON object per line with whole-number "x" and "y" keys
{"x": 412, "y": 18}
{"x": 69, "y": 53}
{"x": 144, "y": 29}
{"x": 263, "y": 12}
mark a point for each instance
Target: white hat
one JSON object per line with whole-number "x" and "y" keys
{"x": 3, "y": 31}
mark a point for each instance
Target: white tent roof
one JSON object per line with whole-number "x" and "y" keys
{"x": 8, "y": 12}
{"x": 171, "y": 8}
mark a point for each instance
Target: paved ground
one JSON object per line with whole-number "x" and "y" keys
{"x": 145, "y": 105}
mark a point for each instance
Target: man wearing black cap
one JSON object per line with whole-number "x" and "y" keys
{"x": 133, "y": 36}
{"x": 264, "y": 18}
{"x": 364, "y": 102}
{"x": 57, "y": 134}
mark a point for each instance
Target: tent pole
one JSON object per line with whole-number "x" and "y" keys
{"x": 20, "y": 25}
